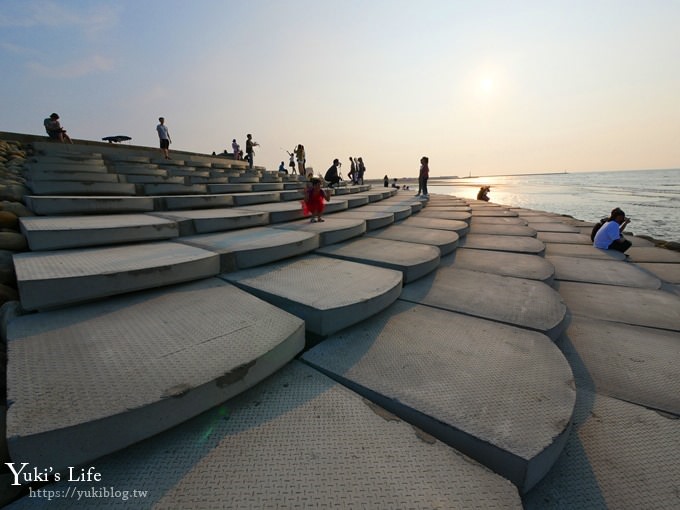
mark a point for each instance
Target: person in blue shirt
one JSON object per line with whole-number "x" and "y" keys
{"x": 610, "y": 237}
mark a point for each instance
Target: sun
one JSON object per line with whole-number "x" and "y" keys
{"x": 487, "y": 84}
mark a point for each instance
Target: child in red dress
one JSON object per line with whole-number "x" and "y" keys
{"x": 314, "y": 200}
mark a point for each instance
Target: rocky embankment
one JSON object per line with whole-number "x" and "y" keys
{"x": 13, "y": 156}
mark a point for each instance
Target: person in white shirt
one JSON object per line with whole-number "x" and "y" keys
{"x": 609, "y": 236}
{"x": 164, "y": 137}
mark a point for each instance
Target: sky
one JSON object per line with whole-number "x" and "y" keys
{"x": 481, "y": 87}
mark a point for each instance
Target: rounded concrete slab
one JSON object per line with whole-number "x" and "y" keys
{"x": 374, "y": 220}
{"x": 517, "y": 244}
{"x": 61, "y": 232}
{"x": 504, "y": 230}
{"x": 254, "y": 246}
{"x": 495, "y": 211}
{"x": 195, "y": 202}
{"x": 290, "y": 211}
{"x": 445, "y": 240}
{"x": 516, "y": 301}
{"x": 632, "y": 363}
{"x": 329, "y": 294}
{"x": 579, "y": 250}
{"x": 86, "y": 381}
{"x": 565, "y": 238}
{"x": 619, "y": 455}
{"x": 400, "y": 212}
{"x": 653, "y": 254}
{"x": 440, "y": 371}
{"x": 667, "y": 272}
{"x": 48, "y": 205}
{"x": 496, "y": 220}
{"x": 574, "y": 269}
{"x": 57, "y": 278}
{"x": 642, "y": 307}
{"x": 203, "y": 221}
{"x": 332, "y": 230}
{"x": 537, "y": 217}
{"x": 553, "y": 227}
{"x": 459, "y": 227}
{"x": 445, "y": 215}
{"x": 81, "y": 188}
{"x": 518, "y": 265}
{"x": 413, "y": 260}
{"x": 451, "y": 208}
{"x": 297, "y": 439}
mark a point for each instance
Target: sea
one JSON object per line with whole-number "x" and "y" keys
{"x": 650, "y": 198}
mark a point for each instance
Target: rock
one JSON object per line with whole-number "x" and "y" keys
{"x": 7, "y": 293}
{"x": 9, "y": 220}
{"x": 16, "y": 207}
{"x": 672, "y": 245}
{"x": 13, "y": 192}
{"x": 12, "y": 241}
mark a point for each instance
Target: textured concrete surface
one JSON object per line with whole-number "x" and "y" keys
{"x": 502, "y": 230}
{"x": 643, "y": 254}
{"x": 374, "y": 219}
{"x": 332, "y": 230}
{"x": 566, "y": 238}
{"x": 519, "y": 265}
{"x": 329, "y": 294}
{"x": 446, "y": 241}
{"x": 48, "y": 205}
{"x": 127, "y": 368}
{"x": 575, "y": 269}
{"x": 667, "y": 272}
{"x": 516, "y": 244}
{"x": 581, "y": 251}
{"x": 459, "y": 227}
{"x": 203, "y": 221}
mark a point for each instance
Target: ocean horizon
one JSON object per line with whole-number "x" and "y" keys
{"x": 651, "y": 198}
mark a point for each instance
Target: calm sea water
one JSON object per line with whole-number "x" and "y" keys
{"x": 651, "y": 198}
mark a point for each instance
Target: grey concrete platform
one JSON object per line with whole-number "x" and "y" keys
{"x": 304, "y": 442}
{"x": 539, "y": 217}
{"x": 413, "y": 260}
{"x": 459, "y": 227}
{"x": 516, "y": 244}
{"x": 175, "y": 189}
{"x": 242, "y": 249}
{"x": 504, "y": 230}
{"x": 256, "y": 198}
{"x": 642, "y": 307}
{"x": 447, "y": 241}
{"x": 332, "y": 230}
{"x": 492, "y": 211}
{"x": 516, "y": 301}
{"x": 619, "y": 455}
{"x": 446, "y": 207}
{"x": 195, "y": 201}
{"x": 497, "y": 220}
{"x": 518, "y": 265}
{"x": 582, "y": 251}
{"x": 329, "y": 294}
{"x": 56, "y": 205}
{"x": 667, "y": 272}
{"x": 153, "y": 179}
{"x": 631, "y": 363}
{"x": 61, "y": 232}
{"x": 58, "y": 278}
{"x": 400, "y": 211}
{"x": 608, "y": 272}
{"x": 642, "y": 254}
{"x": 439, "y": 371}
{"x": 37, "y": 176}
{"x": 89, "y": 169}
{"x": 289, "y": 211}
{"x": 445, "y": 215}
{"x": 553, "y": 227}
{"x": 203, "y": 221}
{"x": 230, "y": 188}
{"x": 374, "y": 220}
{"x": 564, "y": 238}
{"x": 133, "y": 366}
{"x": 81, "y": 188}
{"x": 135, "y": 170}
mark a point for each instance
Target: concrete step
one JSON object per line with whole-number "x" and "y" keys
{"x": 290, "y": 211}
{"x": 242, "y": 249}
{"x": 81, "y": 188}
{"x": 171, "y": 203}
{"x": 516, "y": 301}
{"x": 447, "y": 383}
{"x": 497, "y": 220}
{"x": 301, "y": 287}
{"x": 139, "y": 170}
{"x": 459, "y": 227}
{"x": 204, "y": 221}
{"x": 518, "y": 265}
{"x": 516, "y": 244}
{"x": 299, "y": 426}
{"x": 581, "y": 251}
{"x": 446, "y": 241}
{"x": 262, "y": 197}
{"x": 413, "y": 260}
{"x": 46, "y": 175}
{"x": 565, "y": 238}
{"x": 61, "y": 232}
{"x": 503, "y": 230}
{"x": 175, "y": 189}
{"x": 552, "y": 227}
{"x": 229, "y": 188}
{"x": 85, "y": 168}
{"x": 332, "y": 230}
{"x": 400, "y": 212}
{"x": 153, "y": 179}
{"x": 58, "y": 278}
{"x": 268, "y": 186}
{"x": 56, "y": 205}
{"x": 446, "y": 215}
{"x": 131, "y": 367}
{"x": 374, "y": 219}
{"x": 607, "y": 272}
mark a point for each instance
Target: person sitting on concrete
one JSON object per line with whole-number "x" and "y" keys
{"x": 610, "y": 237}
{"x": 54, "y": 129}
{"x": 394, "y": 184}
{"x": 282, "y": 168}
{"x": 332, "y": 174}
{"x": 484, "y": 193}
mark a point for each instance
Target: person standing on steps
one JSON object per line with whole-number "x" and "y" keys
{"x": 250, "y": 149}
{"x": 164, "y": 137}
{"x": 423, "y": 176}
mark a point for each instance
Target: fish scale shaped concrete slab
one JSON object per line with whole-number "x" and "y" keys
{"x": 89, "y": 380}
{"x": 500, "y": 394}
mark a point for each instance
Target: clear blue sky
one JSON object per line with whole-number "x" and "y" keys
{"x": 487, "y": 87}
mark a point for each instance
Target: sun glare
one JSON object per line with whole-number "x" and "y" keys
{"x": 487, "y": 84}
